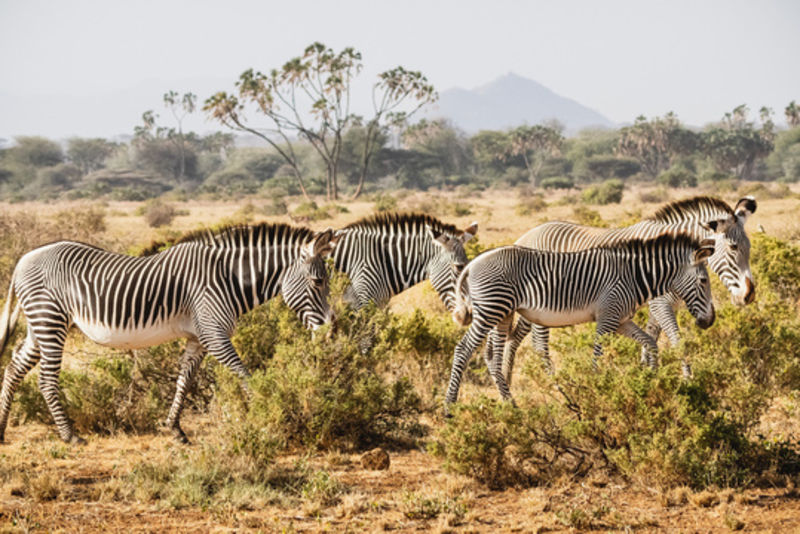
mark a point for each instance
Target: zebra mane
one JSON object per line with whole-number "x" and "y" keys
{"x": 667, "y": 238}
{"x": 236, "y": 235}
{"x": 691, "y": 208}
{"x": 402, "y": 221}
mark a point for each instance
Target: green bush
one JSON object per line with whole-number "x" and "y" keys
{"x": 678, "y": 177}
{"x": 385, "y": 202}
{"x": 588, "y": 217}
{"x": 322, "y": 391}
{"x": 558, "y": 182}
{"x": 608, "y": 192}
{"x": 310, "y": 211}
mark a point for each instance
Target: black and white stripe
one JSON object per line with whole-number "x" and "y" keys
{"x": 554, "y": 289}
{"x": 386, "y": 254}
{"x": 701, "y": 217}
{"x": 195, "y": 289}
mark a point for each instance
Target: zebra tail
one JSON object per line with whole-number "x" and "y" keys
{"x": 462, "y": 311}
{"x": 8, "y": 320}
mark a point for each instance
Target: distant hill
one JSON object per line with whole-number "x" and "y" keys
{"x": 509, "y": 101}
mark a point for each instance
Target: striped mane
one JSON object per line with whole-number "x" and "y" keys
{"x": 666, "y": 238}
{"x": 402, "y": 221}
{"x": 236, "y": 235}
{"x": 692, "y": 208}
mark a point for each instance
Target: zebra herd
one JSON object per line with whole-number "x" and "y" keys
{"x": 558, "y": 274}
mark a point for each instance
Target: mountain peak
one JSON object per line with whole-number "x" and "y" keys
{"x": 512, "y": 100}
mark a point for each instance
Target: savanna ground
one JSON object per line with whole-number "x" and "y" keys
{"x": 144, "y": 481}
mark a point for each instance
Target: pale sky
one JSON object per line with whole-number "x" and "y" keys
{"x": 90, "y": 68}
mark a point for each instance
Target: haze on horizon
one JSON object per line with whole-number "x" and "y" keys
{"x": 90, "y": 68}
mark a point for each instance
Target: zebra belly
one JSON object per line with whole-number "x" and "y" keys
{"x": 555, "y": 319}
{"x": 135, "y": 338}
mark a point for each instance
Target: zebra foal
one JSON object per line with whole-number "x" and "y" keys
{"x": 195, "y": 289}
{"x": 604, "y": 284}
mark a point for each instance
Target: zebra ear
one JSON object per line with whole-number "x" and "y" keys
{"x": 437, "y": 236}
{"x": 745, "y": 208}
{"x": 718, "y": 226}
{"x": 706, "y": 249}
{"x": 324, "y": 241}
{"x": 469, "y": 233}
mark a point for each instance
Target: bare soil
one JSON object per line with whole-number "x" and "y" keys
{"x": 414, "y": 495}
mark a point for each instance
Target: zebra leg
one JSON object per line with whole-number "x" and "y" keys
{"x": 220, "y": 346}
{"x": 465, "y": 348}
{"x": 631, "y": 330}
{"x": 22, "y": 361}
{"x": 605, "y": 325}
{"x": 190, "y": 360}
{"x": 518, "y": 333}
{"x": 541, "y": 344}
{"x": 50, "y": 338}
{"x": 494, "y": 358}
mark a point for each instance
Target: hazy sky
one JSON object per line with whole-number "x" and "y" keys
{"x": 91, "y": 67}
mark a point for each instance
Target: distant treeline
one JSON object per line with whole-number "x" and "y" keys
{"x": 429, "y": 154}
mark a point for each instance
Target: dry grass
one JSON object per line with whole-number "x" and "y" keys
{"x": 45, "y": 485}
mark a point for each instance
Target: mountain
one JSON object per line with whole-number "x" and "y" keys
{"x": 510, "y": 101}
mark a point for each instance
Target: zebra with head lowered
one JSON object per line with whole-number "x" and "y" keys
{"x": 605, "y": 284}
{"x": 195, "y": 289}
{"x": 702, "y": 217}
{"x": 386, "y": 254}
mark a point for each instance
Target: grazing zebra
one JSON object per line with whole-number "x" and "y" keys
{"x": 605, "y": 284}
{"x": 386, "y": 254}
{"x": 702, "y": 217}
{"x": 195, "y": 289}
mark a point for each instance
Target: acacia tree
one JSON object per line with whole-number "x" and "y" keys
{"x": 88, "y": 154}
{"x": 180, "y": 106}
{"x": 393, "y": 89}
{"x": 534, "y": 144}
{"x": 656, "y": 143}
{"x": 309, "y": 97}
{"x": 735, "y": 144}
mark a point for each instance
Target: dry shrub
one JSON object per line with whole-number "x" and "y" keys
{"x": 158, "y": 213}
{"x": 530, "y": 205}
{"x": 22, "y": 232}
{"x": 658, "y": 195}
{"x": 214, "y": 475}
{"x": 117, "y": 392}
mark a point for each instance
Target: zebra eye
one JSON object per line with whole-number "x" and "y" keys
{"x": 734, "y": 247}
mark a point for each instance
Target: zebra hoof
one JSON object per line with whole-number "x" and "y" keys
{"x": 76, "y": 440}
{"x": 179, "y": 436}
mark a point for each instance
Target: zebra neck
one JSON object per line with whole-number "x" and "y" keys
{"x": 653, "y": 272}
{"x": 256, "y": 273}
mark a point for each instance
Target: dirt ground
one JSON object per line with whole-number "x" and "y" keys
{"x": 75, "y": 484}
{"x": 414, "y": 495}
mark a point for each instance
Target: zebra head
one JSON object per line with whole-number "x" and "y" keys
{"x": 449, "y": 259}
{"x": 694, "y": 287}
{"x": 731, "y": 258}
{"x": 305, "y": 282}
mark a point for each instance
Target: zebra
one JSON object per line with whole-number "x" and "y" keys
{"x": 195, "y": 289}
{"x": 701, "y": 216}
{"x": 604, "y": 284}
{"x": 385, "y": 254}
